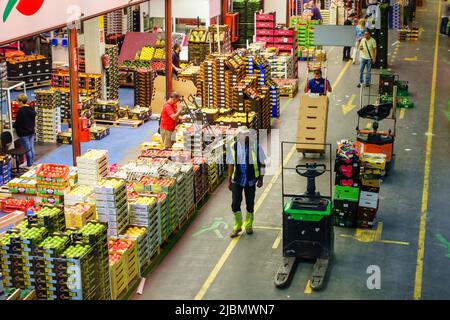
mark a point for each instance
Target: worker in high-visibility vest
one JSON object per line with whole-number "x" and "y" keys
{"x": 245, "y": 160}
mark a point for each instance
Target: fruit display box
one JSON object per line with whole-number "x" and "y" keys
{"x": 128, "y": 249}
{"x": 144, "y": 87}
{"x": 78, "y": 215}
{"x": 141, "y": 236}
{"x": 79, "y": 194}
{"x": 112, "y": 73}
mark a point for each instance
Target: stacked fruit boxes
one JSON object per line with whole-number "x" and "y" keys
{"x": 90, "y": 85}
{"x": 48, "y": 123}
{"x": 92, "y": 166}
{"x": 164, "y": 218}
{"x": 127, "y": 249}
{"x": 5, "y": 170}
{"x": 373, "y": 168}
{"x": 29, "y": 69}
{"x": 286, "y": 43}
{"x": 246, "y": 10}
{"x": 201, "y": 185}
{"x": 106, "y": 110}
{"x": 394, "y": 17}
{"x": 223, "y": 37}
{"x": 141, "y": 236}
{"x": 112, "y": 204}
{"x": 144, "y": 212}
{"x": 347, "y": 185}
{"x": 112, "y": 73}
{"x": 2, "y": 288}
{"x": 265, "y": 28}
{"x": 143, "y": 87}
{"x": 198, "y": 46}
{"x": 77, "y": 216}
{"x": 95, "y": 234}
{"x": 3, "y": 77}
{"x": 52, "y": 181}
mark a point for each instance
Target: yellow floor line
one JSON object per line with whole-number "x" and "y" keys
{"x": 426, "y": 178}
{"x": 308, "y": 289}
{"x": 402, "y": 113}
{"x": 277, "y": 241}
{"x": 268, "y": 228}
{"x": 402, "y": 243}
{"x": 212, "y": 276}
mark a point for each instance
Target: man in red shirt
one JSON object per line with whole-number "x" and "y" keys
{"x": 169, "y": 117}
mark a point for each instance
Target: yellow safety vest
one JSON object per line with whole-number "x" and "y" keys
{"x": 254, "y": 157}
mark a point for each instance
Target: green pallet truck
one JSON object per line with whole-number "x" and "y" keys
{"x": 308, "y": 231}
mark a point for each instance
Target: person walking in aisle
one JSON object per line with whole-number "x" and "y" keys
{"x": 318, "y": 85}
{"x": 359, "y": 30}
{"x": 347, "y": 50}
{"x": 245, "y": 159}
{"x": 368, "y": 51}
{"x": 176, "y": 61}
{"x": 169, "y": 116}
{"x": 25, "y": 126}
{"x": 316, "y": 15}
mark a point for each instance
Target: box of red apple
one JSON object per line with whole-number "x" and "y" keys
{"x": 264, "y": 39}
{"x": 265, "y": 17}
{"x": 265, "y": 25}
{"x": 128, "y": 249}
{"x": 264, "y": 32}
{"x": 284, "y": 32}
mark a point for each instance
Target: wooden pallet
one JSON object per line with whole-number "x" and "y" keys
{"x": 122, "y": 123}
{"x": 33, "y": 85}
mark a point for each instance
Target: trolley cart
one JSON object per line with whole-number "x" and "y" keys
{"x": 308, "y": 232}
{"x": 374, "y": 140}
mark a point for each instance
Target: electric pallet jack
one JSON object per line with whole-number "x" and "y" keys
{"x": 373, "y": 140}
{"x": 308, "y": 232}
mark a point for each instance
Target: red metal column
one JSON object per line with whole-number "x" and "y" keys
{"x": 225, "y": 9}
{"x": 288, "y": 12}
{"x": 73, "y": 74}
{"x": 168, "y": 8}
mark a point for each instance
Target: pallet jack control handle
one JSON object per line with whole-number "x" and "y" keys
{"x": 311, "y": 171}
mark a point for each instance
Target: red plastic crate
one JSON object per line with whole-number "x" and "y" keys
{"x": 283, "y": 40}
{"x": 264, "y": 39}
{"x": 264, "y": 32}
{"x": 284, "y": 32}
{"x": 10, "y": 205}
{"x": 265, "y": 17}
{"x": 267, "y": 25}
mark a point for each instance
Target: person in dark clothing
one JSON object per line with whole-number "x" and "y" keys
{"x": 347, "y": 50}
{"x": 316, "y": 15}
{"x": 245, "y": 160}
{"x": 25, "y": 127}
{"x": 176, "y": 61}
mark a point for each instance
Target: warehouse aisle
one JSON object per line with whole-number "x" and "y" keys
{"x": 207, "y": 264}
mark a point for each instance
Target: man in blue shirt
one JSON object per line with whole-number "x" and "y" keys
{"x": 245, "y": 161}
{"x": 318, "y": 85}
{"x": 315, "y": 11}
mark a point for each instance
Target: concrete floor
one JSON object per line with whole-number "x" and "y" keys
{"x": 210, "y": 265}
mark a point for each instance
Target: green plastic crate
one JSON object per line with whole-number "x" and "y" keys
{"x": 346, "y": 193}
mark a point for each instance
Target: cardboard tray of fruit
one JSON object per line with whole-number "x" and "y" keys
{"x": 53, "y": 173}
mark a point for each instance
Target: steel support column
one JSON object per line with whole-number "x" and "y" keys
{"x": 169, "y": 68}
{"x": 74, "y": 98}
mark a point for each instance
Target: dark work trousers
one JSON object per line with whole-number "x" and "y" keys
{"x": 237, "y": 198}
{"x": 444, "y": 22}
{"x": 347, "y": 52}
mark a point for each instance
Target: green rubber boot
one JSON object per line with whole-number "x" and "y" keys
{"x": 249, "y": 223}
{"x": 237, "y": 225}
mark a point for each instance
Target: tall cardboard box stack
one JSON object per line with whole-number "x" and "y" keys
{"x": 48, "y": 120}
{"x": 373, "y": 167}
{"x": 312, "y": 124}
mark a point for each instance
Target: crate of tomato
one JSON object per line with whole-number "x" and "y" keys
{"x": 53, "y": 173}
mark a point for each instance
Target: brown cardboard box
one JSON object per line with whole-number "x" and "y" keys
{"x": 312, "y": 124}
